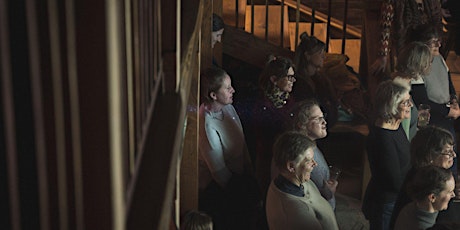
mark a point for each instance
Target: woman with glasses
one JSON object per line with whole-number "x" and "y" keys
{"x": 311, "y": 83}
{"x": 272, "y": 113}
{"x": 311, "y": 121}
{"x": 293, "y": 201}
{"x": 387, "y": 151}
{"x": 430, "y": 146}
{"x": 436, "y": 88}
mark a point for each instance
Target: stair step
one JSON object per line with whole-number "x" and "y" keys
{"x": 274, "y": 21}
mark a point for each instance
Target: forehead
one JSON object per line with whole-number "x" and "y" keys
{"x": 306, "y": 155}
{"x": 290, "y": 71}
{"x": 315, "y": 111}
{"x": 219, "y": 32}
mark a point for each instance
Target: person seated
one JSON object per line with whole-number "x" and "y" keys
{"x": 311, "y": 83}
{"x": 431, "y": 189}
{"x": 196, "y": 220}
{"x": 311, "y": 121}
{"x": 430, "y": 146}
{"x": 293, "y": 200}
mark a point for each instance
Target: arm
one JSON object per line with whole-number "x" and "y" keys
{"x": 420, "y": 96}
{"x": 212, "y": 153}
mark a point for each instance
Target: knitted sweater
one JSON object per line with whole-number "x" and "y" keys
{"x": 286, "y": 211}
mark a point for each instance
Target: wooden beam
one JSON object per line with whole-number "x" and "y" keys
{"x": 244, "y": 46}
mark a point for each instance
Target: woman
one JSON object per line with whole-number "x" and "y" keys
{"x": 293, "y": 201}
{"x": 436, "y": 88}
{"x": 309, "y": 59}
{"x": 414, "y": 60}
{"x": 431, "y": 189}
{"x": 272, "y": 113}
{"x": 310, "y": 120}
{"x": 430, "y": 146}
{"x": 397, "y": 18}
{"x": 217, "y": 29}
{"x": 388, "y": 152}
{"x": 223, "y": 156}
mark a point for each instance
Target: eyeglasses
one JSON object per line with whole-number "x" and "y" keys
{"x": 319, "y": 119}
{"x": 407, "y": 103}
{"x": 435, "y": 42}
{"x": 291, "y": 78}
{"x": 449, "y": 154}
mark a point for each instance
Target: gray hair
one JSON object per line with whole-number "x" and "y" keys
{"x": 288, "y": 147}
{"x": 388, "y": 97}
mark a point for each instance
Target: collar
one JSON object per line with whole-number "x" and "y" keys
{"x": 286, "y": 186}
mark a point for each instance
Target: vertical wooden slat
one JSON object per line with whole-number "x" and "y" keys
{"x": 313, "y": 18}
{"x": 297, "y": 19}
{"x": 116, "y": 118}
{"x": 9, "y": 119}
{"x": 39, "y": 127}
{"x": 266, "y": 20}
{"x": 74, "y": 115}
{"x": 59, "y": 114}
{"x": 130, "y": 83}
{"x": 237, "y": 15}
{"x": 282, "y": 24}
{"x": 328, "y": 30}
{"x": 252, "y": 16}
{"x": 344, "y": 29}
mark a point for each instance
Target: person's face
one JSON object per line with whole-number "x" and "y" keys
{"x": 405, "y": 107}
{"x": 434, "y": 44}
{"x": 305, "y": 165}
{"x": 316, "y": 126}
{"x": 446, "y": 158}
{"x": 224, "y": 95}
{"x": 441, "y": 200}
{"x": 216, "y": 37}
{"x": 285, "y": 83}
{"x": 317, "y": 59}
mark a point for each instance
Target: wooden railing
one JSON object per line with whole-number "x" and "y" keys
{"x": 299, "y": 8}
{"x": 93, "y": 111}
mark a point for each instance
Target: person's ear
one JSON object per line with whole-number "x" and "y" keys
{"x": 432, "y": 198}
{"x": 291, "y": 166}
{"x": 213, "y": 95}
{"x": 273, "y": 79}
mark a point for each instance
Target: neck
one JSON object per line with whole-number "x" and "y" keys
{"x": 291, "y": 177}
{"x": 425, "y": 206}
{"x": 214, "y": 107}
{"x": 391, "y": 124}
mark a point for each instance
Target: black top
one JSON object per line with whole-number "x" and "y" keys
{"x": 389, "y": 161}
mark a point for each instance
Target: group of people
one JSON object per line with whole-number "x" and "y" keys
{"x": 413, "y": 168}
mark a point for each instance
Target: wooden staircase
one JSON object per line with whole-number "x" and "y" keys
{"x": 268, "y": 29}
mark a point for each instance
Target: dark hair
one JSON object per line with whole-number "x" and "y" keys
{"x": 414, "y": 59}
{"x": 302, "y": 112}
{"x": 196, "y": 220}
{"x": 288, "y": 147}
{"x": 217, "y": 23}
{"x": 276, "y": 66}
{"x": 211, "y": 81}
{"x": 424, "y": 33}
{"x": 308, "y": 45}
{"x": 427, "y": 180}
{"x": 428, "y": 144}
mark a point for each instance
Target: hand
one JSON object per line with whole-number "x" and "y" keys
{"x": 454, "y": 112}
{"x": 379, "y": 65}
{"x": 332, "y": 185}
